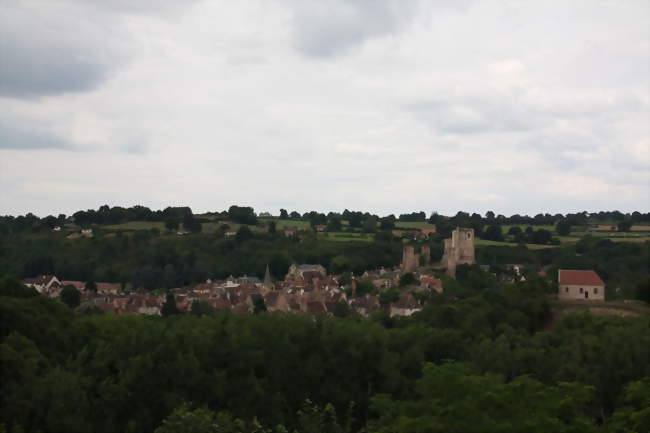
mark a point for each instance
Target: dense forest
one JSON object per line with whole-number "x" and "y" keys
{"x": 487, "y": 355}
{"x": 473, "y": 360}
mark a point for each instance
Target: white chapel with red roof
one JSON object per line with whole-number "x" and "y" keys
{"x": 580, "y": 285}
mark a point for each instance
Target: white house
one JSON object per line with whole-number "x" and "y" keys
{"x": 580, "y": 285}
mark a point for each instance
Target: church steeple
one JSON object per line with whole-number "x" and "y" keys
{"x": 267, "y": 278}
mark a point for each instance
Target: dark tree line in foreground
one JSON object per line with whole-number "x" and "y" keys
{"x": 474, "y": 360}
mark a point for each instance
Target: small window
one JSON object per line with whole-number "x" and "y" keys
{"x": 566, "y": 289}
{"x": 595, "y": 290}
{"x": 581, "y": 290}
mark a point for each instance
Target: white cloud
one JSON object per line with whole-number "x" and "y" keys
{"x": 388, "y": 106}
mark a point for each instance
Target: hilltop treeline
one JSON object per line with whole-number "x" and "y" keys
{"x": 356, "y": 219}
{"x": 149, "y": 260}
{"x": 472, "y": 360}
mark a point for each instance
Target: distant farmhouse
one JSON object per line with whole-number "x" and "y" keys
{"x": 580, "y": 285}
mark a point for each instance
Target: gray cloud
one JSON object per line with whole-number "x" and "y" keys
{"x": 28, "y": 138}
{"x": 50, "y": 48}
{"x": 324, "y": 29}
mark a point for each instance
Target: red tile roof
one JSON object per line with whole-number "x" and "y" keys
{"x": 580, "y": 278}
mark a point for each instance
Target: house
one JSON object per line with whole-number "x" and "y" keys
{"x": 42, "y": 283}
{"x": 365, "y": 305}
{"x": 430, "y": 283}
{"x": 290, "y": 231}
{"x": 229, "y": 233}
{"x": 302, "y": 271}
{"x": 88, "y": 233}
{"x": 580, "y": 285}
{"x": 276, "y": 301}
{"x": 107, "y": 288}
{"x": 320, "y": 228}
{"x": 405, "y": 305}
{"x": 56, "y": 229}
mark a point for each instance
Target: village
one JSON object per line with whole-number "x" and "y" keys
{"x": 308, "y": 289}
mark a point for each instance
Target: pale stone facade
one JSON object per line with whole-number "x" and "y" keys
{"x": 459, "y": 250}
{"x": 584, "y": 285}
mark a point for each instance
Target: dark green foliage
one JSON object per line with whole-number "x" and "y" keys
{"x": 62, "y": 371}
{"x": 493, "y": 233}
{"x": 407, "y": 279}
{"x": 624, "y": 226}
{"x": 451, "y": 398}
{"x": 563, "y": 227}
{"x": 70, "y": 296}
{"x": 169, "y": 307}
{"x": 14, "y": 288}
{"x": 242, "y": 215}
{"x": 643, "y": 290}
{"x": 201, "y": 308}
{"x": 365, "y": 287}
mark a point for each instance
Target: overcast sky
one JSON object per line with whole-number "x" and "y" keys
{"x": 388, "y": 106}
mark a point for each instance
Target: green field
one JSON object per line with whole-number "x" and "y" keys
{"x": 280, "y": 224}
{"x": 345, "y": 236}
{"x": 507, "y": 227}
{"x": 137, "y": 225}
{"x": 483, "y": 243}
{"x": 414, "y": 225}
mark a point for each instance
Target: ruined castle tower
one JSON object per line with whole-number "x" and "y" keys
{"x": 410, "y": 260}
{"x": 459, "y": 250}
{"x": 425, "y": 253}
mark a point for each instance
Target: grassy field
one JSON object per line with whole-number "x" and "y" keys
{"x": 505, "y": 228}
{"x": 344, "y": 236}
{"x": 137, "y": 225}
{"x": 413, "y": 225}
{"x": 483, "y": 243}
{"x": 280, "y": 224}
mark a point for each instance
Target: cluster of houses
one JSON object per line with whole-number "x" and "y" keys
{"x": 306, "y": 289}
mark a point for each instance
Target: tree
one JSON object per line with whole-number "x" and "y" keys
{"x": 643, "y": 291}
{"x": 243, "y": 234}
{"x": 542, "y": 237}
{"x": 334, "y": 224}
{"x": 370, "y": 224}
{"x": 284, "y": 214}
{"x": 171, "y": 224}
{"x": 387, "y": 224}
{"x": 563, "y": 227}
{"x": 407, "y": 279}
{"x": 200, "y": 420}
{"x": 201, "y": 308}
{"x": 242, "y": 215}
{"x": 388, "y": 296}
{"x": 90, "y": 286}
{"x": 493, "y": 233}
{"x": 169, "y": 306}
{"x": 272, "y": 227}
{"x": 70, "y": 296}
{"x": 624, "y": 226}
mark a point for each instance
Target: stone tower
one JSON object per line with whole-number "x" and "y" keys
{"x": 410, "y": 260}
{"x": 459, "y": 250}
{"x": 425, "y": 253}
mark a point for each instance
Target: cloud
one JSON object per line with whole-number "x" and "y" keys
{"x": 409, "y": 105}
{"x": 326, "y": 29}
{"x": 51, "y": 48}
{"x": 28, "y": 138}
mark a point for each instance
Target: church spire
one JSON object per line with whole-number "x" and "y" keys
{"x": 267, "y": 278}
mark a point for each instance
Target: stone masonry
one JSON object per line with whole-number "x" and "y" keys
{"x": 459, "y": 250}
